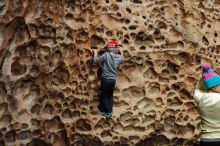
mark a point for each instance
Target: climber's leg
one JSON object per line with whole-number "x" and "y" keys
{"x": 107, "y": 88}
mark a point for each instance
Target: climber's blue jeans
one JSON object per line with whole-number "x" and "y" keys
{"x": 106, "y": 99}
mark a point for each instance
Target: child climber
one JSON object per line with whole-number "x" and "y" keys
{"x": 109, "y": 61}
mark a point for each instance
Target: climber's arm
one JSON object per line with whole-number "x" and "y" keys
{"x": 199, "y": 89}
{"x": 98, "y": 59}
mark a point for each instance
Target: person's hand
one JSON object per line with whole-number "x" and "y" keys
{"x": 94, "y": 52}
{"x": 91, "y": 50}
{"x": 120, "y": 50}
{"x": 201, "y": 84}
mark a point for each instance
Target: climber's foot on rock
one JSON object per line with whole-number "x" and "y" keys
{"x": 107, "y": 115}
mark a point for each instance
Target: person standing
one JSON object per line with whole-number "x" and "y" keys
{"x": 110, "y": 61}
{"x": 207, "y": 96}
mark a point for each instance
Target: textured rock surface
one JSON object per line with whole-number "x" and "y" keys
{"x": 49, "y": 88}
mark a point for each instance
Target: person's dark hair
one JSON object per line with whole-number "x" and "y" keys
{"x": 113, "y": 50}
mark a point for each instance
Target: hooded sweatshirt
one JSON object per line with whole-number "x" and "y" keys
{"x": 209, "y": 106}
{"x": 110, "y": 63}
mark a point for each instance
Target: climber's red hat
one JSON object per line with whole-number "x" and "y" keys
{"x": 113, "y": 44}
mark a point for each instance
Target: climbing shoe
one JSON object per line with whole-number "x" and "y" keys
{"x": 107, "y": 115}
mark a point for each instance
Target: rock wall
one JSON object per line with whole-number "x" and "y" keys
{"x": 49, "y": 88}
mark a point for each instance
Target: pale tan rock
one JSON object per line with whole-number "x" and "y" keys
{"x": 49, "y": 89}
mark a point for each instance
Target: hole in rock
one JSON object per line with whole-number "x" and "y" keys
{"x": 106, "y": 133}
{"x": 76, "y": 114}
{"x": 60, "y": 76}
{"x": 121, "y": 103}
{"x": 184, "y": 94}
{"x": 159, "y": 100}
{"x": 18, "y": 69}
{"x": 117, "y": 126}
{"x": 109, "y": 33}
{"x": 96, "y": 41}
{"x": 82, "y": 36}
{"x": 144, "y": 103}
{"x": 137, "y": 92}
{"x": 173, "y": 68}
{"x": 141, "y": 38}
{"x": 161, "y": 25}
{"x": 205, "y": 40}
{"x": 193, "y": 110}
{"x": 48, "y": 109}
{"x": 175, "y": 86}
{"x": 24, "y": 135}
{"x": 125, "y": 116}
{"x": 134, "y": 128}
{"x": 22, "y": 33}
{"x": 54, "y": 124}
{"x": 150, "y": 27}
{"x": 46, "y": 40}
{"x": 133, "y": 35}
{"x": 36, "y": 109}
{"x": 154, "y": 140}
{"x": 38, "y": 142}
{"x": 169, "y": 121}
{"x": 136, "y": 1}
{"x": 191, "y": 80}
{"x": 150, "y": 73}
{"x": 183, "y": 56}
{"x": 80, "y": 20}
{"x": 118, "y": 14}
{"x": 157, "y": 33}
{"x": 148, "y": 118}
{"x": 128, "y": 10}
{"x": 35, "y": 123}
{"x": 10, "y": 136}
{"x": 174, "y": 102}
{"x": 114, "y": 7}
{"x": 132, "y": 121}
{"x": 69, "y": 35}
{"x": 153, "y": 92}
{"x": 165, "y": 73}
{"x": 58, "y": 107}
{"x": 132, "y": 27}
{"x": 72, "y": 105}
{"x": 66, "y": 114}
{"x": 142, "y": 48}
{"x": 125, "y": 41}
{"x": 6, "y": 119}
{"x": 83, "y": 125}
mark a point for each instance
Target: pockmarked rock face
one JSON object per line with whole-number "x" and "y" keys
{"x": 49, "y": 88}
